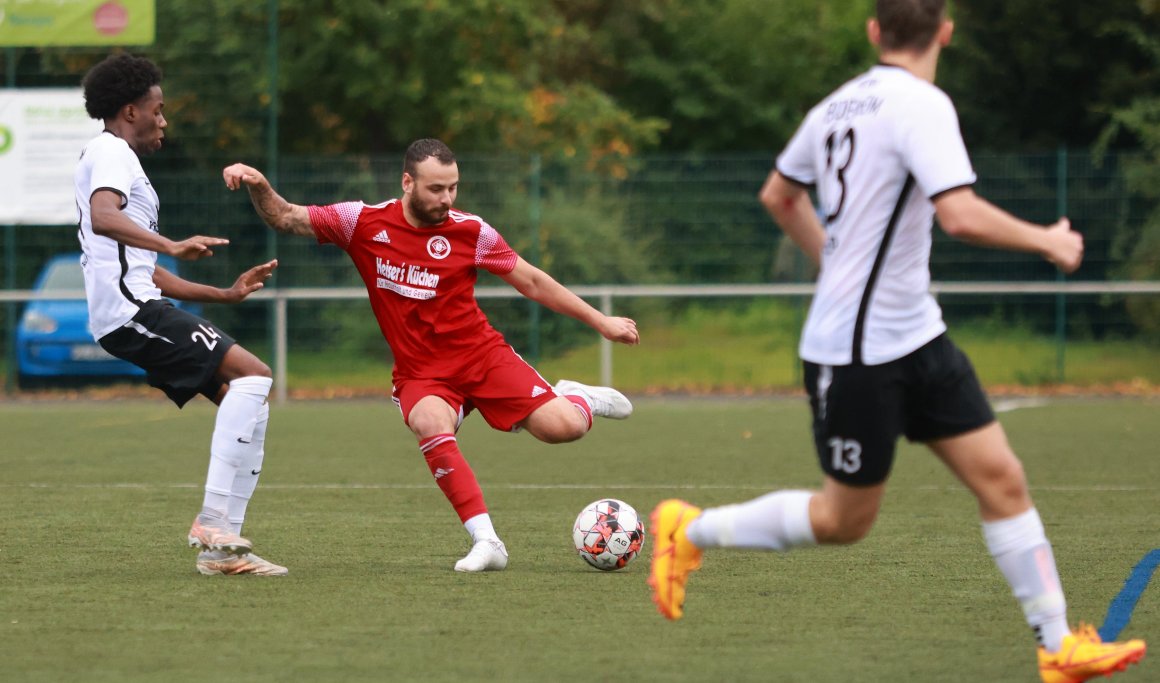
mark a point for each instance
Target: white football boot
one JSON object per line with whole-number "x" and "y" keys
{"x": 207, "y": 534}
{"x": 605, "y": 401}
{"x": 221, "y": 563}
{"x": 485, "y": 556}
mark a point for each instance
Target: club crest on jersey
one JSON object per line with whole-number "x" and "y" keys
{"x": 438, "y": 247}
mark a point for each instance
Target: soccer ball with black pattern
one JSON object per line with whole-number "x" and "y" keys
{"x": 608, "y": 534}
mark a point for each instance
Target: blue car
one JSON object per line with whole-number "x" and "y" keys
{"x": 53, "y": 341}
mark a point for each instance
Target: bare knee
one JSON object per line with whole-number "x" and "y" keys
{"x": 833, "y": 525}
{"x": 842, "y": 532}
{"x": 983, "y": 460}
{"x": 1010, "y": 479}
{"x": 258, "y": 369}
{"x": 239, "y": 362}
{"x": 1004, "y": 489}
{"x": 557, "y": 432}
{"x": 424, "y": 425}
{"x": 430, "y": 416}
{"x": 557, "y": 421}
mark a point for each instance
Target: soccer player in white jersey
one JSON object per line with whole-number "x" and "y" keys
{"x": 183, "y": 355}
{"x": 885, "y": 154}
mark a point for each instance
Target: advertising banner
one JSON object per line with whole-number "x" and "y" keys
{"x": 46, "y": 23}
{"x": 42, "y": 132}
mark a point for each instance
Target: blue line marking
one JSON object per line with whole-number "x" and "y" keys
{"x": 1120, "y": 611}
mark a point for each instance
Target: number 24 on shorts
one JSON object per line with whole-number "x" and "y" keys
{"x": 209, "y": 338}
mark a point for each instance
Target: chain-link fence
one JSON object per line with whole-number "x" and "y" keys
{"x": 671, "y": 221}
{"x": 665, "y": 220}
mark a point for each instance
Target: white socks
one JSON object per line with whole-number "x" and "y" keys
{"x": 480, "y": 528}
{"x": 1020, "y": 548}
{"x": 233, "y": 441}
{"x": 775, "y": 521}
{"x": 781, "y": 521}
{"x": 246, "y": 480}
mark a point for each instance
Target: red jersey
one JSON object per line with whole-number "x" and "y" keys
{"x": 421, "y": 281}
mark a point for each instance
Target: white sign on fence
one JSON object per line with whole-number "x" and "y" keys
{"x": 42, "y": 132}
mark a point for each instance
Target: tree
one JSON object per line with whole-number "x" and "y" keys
{"x": 1139, "y": 123}
{"x": 1026, "y": 76}
{"x": 731, "y": 75}
{"x": 367, "y": 77}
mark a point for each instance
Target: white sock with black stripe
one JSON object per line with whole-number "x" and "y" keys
{"x": 1022, "y": 552}
{"x": 237, "y": 419}
{"x": 246, "y": 480}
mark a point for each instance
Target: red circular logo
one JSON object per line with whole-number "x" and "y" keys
{"x": 110, "y": 18}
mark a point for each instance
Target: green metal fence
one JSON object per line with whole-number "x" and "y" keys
{"x": 674, "y": 220}
{"x": 669, "y": 220}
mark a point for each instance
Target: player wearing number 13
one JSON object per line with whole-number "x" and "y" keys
{"x": 885, "y": 155}
{"x": 182, "y": 354}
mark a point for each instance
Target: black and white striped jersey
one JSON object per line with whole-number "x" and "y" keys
{"x": 878, "y": 150}
{"x": 117, "y": 278}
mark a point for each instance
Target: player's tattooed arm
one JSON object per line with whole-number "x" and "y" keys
{"x": 278, "y": 213}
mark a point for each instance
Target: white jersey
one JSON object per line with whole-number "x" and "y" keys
{"x": 879, "y": 149}
{"x": 118, "y": 279}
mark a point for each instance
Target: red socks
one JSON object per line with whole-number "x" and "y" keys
{"x": 453, "y": 475}
{"x": 583, "y": 407}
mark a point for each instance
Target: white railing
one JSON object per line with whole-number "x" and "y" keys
{"x": 607, "y": 293}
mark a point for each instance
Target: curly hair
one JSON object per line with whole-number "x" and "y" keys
{"x": 119, "y": 80}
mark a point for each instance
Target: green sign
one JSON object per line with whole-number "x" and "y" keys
{"x": 44, "y": 23}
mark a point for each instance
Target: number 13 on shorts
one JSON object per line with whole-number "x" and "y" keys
{"x": 845, "y": 454}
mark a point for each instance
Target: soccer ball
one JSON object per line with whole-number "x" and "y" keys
{"x": 608, "y": 534}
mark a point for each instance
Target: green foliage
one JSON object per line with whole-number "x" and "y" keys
{"x": 594, "y": 81}
{"x": 368, "y": 77}
{"x": 599, "y": 80}
{"x": 582, "y": 239}
{"x": 740, "y": 74}
{"x": 587, "y": 239}
{"x": 1140, "y": 243}
{"x": 1026, "y": 76}
{"x": 704, "y": 210}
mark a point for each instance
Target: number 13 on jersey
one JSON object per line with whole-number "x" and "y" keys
{"x": 832, "y": 190}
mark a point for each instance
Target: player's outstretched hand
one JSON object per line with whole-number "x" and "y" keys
{"x": 237, "y": 174}
{"x": 250, "y": 281}
{"x": 197, "y": 247}
{"x": 621, "y": 330}
{"x": 1064, "y": 246}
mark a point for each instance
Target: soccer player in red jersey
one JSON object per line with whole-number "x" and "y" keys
{"x": 419, "y": 258}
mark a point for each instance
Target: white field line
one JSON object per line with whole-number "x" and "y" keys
{"x": 1064, "y": 488}
{"x": 1009, "y": 404}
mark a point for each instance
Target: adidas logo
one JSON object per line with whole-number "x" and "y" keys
{"x": 440, "y": 472}
{"x": 538, "y": 391}
{"x": 382, "y": 237}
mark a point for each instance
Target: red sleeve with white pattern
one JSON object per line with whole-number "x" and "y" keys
{"x": 492, "y": 252}
{"x": 335, "y": 223}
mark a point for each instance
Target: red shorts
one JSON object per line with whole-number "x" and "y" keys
{"x": 501, "y": 385}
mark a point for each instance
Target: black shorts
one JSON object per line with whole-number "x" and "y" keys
{"x": 179, "y": 351}
{"x": 861, "y": 410}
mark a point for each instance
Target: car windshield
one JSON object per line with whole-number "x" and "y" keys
{"x": 64, "y": 276}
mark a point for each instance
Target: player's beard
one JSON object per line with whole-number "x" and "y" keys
{"x": 428, "y": 215}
